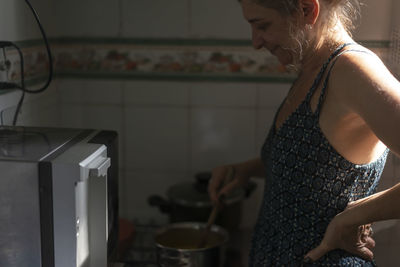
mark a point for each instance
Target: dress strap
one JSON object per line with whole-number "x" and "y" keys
{"x": 323, "y": 69}
{"x": 325, "y": 84}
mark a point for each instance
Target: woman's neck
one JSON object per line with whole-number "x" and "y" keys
{"x": 319, "y": 50}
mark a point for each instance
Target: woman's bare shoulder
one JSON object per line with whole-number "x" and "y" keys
{"x": 362, "y": 72}
{"x": 366, "y": 87}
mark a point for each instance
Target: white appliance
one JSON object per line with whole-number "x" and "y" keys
{"x": 54, "y": 198}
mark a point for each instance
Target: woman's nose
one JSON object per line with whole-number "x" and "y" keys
{"x": 257, "y": 40}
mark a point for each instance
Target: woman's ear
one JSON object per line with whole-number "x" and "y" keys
{"x": 310, "y": 10}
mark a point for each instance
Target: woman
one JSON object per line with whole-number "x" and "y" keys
{"x": 329, "y": 141}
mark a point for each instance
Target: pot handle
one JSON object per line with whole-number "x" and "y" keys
{"x": 249, "y": 188}
{"x": 156, "y": 200}
{"x": 202, "y": 179}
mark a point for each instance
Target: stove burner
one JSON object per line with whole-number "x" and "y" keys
{"x": 142, "y": 252}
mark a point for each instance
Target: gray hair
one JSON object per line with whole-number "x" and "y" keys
{"x": 344, "y": 11}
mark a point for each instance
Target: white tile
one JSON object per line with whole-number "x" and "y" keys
{"x": 265, "y": 119}
{"x": 70, "y": 90}
{"x": 384, "y": 230}
{"x": 156, "y": 93}
{"x": 42, "y": 109}
{"x": 396, "y": 234}
{"x": 224, "y": 94}
{"x": 156, "y": 138}
{"x": 71, "y": 116}
{"x": 25, "y": 117}
{"x": 90, "y": 91}
{"x": 19, "y": 21}
{"x": 45, "y": 110}
{"x": 218, "y": 19}
{"x": 45, "y": 10}
{"x": 136, "y": 189}
{"x": 8, "y": 11}
{"x": 387, "y": 236}
{"x": 46, "y": 116}
{"x": 51, "y": 93}
{"x": 396, "y": 166}
{"x": 90, "y": 18}
{"x": 26, "y": 23}
{"x": 102, "y": 92}
{"x": 43, "y": 100}
{"x": 105, "y": 117}
{"x": 155, "y": 18}
{"x": 272, "y": 94}
{"x": 371, "y": 28}
{"x": 387, "y": 256}
{"x": 221, "y": 136}
{"x": 8, "y": 103}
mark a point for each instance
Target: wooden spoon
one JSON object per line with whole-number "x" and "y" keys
{"x": 214, "y": 212}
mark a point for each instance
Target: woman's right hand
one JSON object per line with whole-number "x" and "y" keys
{"x": 223, "y": 180}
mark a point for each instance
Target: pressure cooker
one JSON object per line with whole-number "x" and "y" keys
{"x": 190, "y": 202}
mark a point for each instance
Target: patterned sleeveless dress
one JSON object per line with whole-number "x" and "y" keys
{"x": 308, "y": 183}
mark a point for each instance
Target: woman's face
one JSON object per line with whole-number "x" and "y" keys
{"x": 269, "y": 30}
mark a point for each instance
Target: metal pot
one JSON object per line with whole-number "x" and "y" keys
{"x": 190, "y": 202}
{"x": 177, "y": 245}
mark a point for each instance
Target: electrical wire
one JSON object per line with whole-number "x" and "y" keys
{"x": 47, "y": 48}
{"x": 22, "y": 87}
{"x": 21, "y": 100}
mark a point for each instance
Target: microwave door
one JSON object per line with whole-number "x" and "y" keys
{"x": 80, "y": 221}
{"x": 82, "y": 234}
{"x": 91, "y": 215}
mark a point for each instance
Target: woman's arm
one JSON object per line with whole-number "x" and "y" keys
{"x": 252, "y": 168}
{"x": 344, "y": 231}
{"x": 366, "y": 87}
{"x": 241, "y": 174}
{"x": 384, "y": 205}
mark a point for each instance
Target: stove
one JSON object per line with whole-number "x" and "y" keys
{"x": 142, "y": 252}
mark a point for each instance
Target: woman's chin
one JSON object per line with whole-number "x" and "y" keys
{"x": 285, "y": 61}
{"x": 285, "y": 58}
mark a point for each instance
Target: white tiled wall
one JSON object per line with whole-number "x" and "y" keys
{"x": 18, "y": 23}
{"x": 89, "y": 18}
{"x": 180, "y": 19}
{"x": 37, "y": 109}
{"x": 171, "y": 130}
{"x": 156, "y": 138}
{"x": 375, "y": 23}
{"x": 224, "y": 19}
{"x": 155, "y": 18}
